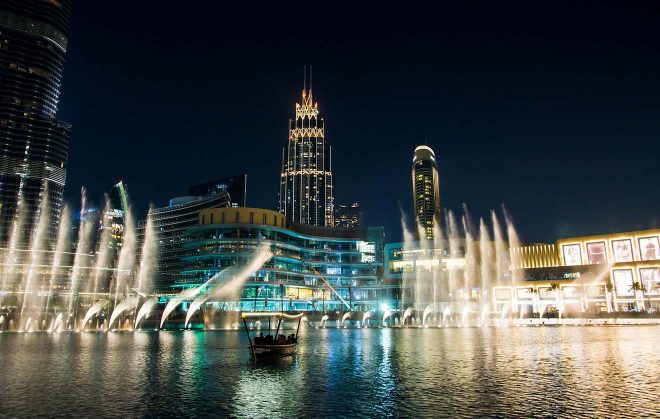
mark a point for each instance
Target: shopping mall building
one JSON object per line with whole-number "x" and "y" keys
{"x": 312, "y": 268}
{"x": 602, "y": 273}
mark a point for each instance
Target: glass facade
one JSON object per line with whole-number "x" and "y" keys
{"x": 348, "y": 215}
{"x": 310, "y": 272}
{"x": 235, "y": 186}
{"x": 426, "y": 192}
{"x": 33, "y": 43}
{"x": 170, "y": 225}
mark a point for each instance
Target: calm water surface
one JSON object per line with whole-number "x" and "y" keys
{"x": 528, "y": 371}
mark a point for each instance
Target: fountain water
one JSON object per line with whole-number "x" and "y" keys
{"x": 128, "y": 304}
{"x": 57, "y": 323}
{"x": 37, "y": 252}
{"x": 366, "y": 316}
{"x": 387, "y": 315}
{"x": 223, "y": 287}
{"x": 15, "y": 239}
{"x": 194, "y": 306}
{"x": 184, "y": 295}
{"x": 470, "y": 272}
{"x": 427, "y": 312}
{"x": 61, "y": 246}
{"x": 505, "y": 312}
{"x": 406, "y": 315}
{"x": 145, "y": 310}
{"x": 407, "y": 283}
{"x": 126, "y": 261}
{"x": 80, "y": 258}
{"x": 485, "y": 310}
{"x": 93, "y": 310}
{"x": 465, "y": 317}
{"x": 486, "y": 260}
{"x": 345, "y": 317}
{"x": 454, "y": 254}
{"x": 324, "y": 320}
{"x": 147, "y": 258}
{"x": 103, "y": 253}
{"x": 446, "y": 313}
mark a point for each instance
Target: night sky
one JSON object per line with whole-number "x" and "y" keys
{"x": 553, "y": 112}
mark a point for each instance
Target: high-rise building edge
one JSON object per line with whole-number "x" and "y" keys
{"x": 235, "y": 186}
{"x": 426, "y": 191}
{"x": 33, "y": 158}
{"x": 306, "y": 191}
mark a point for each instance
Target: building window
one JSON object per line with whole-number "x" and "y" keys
{"x": 251, "y": 218}
{"x": 237, "y": 215}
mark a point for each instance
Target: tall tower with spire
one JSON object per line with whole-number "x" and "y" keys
{"x": 306, "y": 193}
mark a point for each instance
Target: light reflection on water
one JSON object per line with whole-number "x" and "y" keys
{"x": 535, "y": 371}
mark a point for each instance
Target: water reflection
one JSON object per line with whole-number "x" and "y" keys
{"x": 553, "y": 371}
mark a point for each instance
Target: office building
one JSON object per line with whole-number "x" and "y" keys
{"x": 348, "y": 215}
{"x": 33, "y": 159}
{"x": 426, "y": 191}
{"x": 312, "y": 268}
{"x": 234, "y": 186}
{"x": 170, "y": 224}
{"x": 306, "y": 190}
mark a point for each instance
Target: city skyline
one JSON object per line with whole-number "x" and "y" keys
{"x": 474, "y": 233}
{"x": 508, "y": 122}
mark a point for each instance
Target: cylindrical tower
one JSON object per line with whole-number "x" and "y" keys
{"x": 426, "y": 191}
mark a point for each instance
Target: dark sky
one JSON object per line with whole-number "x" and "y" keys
{"x": 551, "y": 109}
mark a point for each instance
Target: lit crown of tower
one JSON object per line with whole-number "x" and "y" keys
{"x": 306, "y": 191}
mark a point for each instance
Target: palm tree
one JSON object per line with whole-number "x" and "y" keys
{"x": 555, "y": 288}
{"x": 638, "y": 287}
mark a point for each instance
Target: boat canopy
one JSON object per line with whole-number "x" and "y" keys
{"x": 272, "y": 314}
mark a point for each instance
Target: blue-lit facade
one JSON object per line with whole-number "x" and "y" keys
{"x": 312, "y": 268}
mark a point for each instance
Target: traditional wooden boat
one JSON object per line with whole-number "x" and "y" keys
{"x": 272, "y": 346}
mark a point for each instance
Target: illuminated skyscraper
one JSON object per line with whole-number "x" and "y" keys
{"x": 306, "y": 194}
{"x": 426, "y": 191}
{"x": 348, "y": 215}
{"x": 34, "y": 144}
{"x": 235, "y": 186}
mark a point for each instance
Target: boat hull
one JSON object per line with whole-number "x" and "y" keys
{"x": 263, "y": 352}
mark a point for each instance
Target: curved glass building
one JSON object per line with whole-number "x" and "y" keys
{"x": 312, "y": 268}
{"x": 170, "y": 224}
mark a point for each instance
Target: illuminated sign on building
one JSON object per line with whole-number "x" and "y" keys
{"x": 622, "y": 250}
{"x": 572, "y": 254}
{"x": 649, "y": 248}
{"x": 623, "y": 282}
{"x": 596, "y": 253}
{"x": 650, "y": 278}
